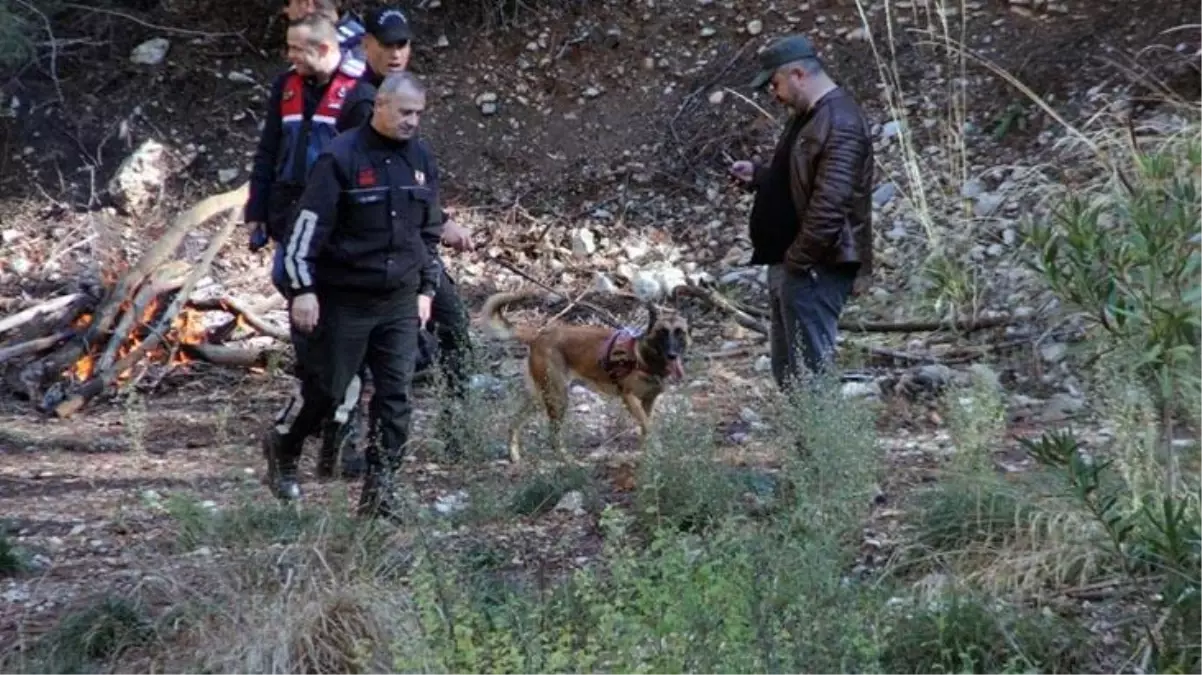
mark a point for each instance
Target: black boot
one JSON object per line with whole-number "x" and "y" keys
{"x": 449, "y": 433}
{"x": 281, "y": 475}
{"x": 378, "y": 498}
{"x": 338, "y": 454}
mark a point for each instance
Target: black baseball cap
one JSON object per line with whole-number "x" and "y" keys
{"x": 389, "y": 25}
{"x": 785, "y": 50}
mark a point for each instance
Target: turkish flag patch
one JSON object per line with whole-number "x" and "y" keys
{"x": 366, "y": 178}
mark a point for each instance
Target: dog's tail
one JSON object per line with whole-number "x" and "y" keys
{"x": 499, "y": 326}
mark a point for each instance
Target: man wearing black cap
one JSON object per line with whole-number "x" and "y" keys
{"x": 387, "y": 48}
{"x": 811, "y": 222}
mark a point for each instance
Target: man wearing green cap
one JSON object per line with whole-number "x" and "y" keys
{"x": 811, "y": 222}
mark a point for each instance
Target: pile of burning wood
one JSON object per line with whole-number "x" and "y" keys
{"x": 65, "y": 351}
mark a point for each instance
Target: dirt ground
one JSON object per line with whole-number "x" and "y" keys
{"x": 590, "y": 94}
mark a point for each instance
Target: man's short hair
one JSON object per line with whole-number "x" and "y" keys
{"x": 395, "y": 83}
{"x": 321, "y": 29}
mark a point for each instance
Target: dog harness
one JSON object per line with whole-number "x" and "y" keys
{"x": 619, "y": 354}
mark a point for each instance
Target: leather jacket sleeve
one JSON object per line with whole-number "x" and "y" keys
{"x": 832, "y": 151}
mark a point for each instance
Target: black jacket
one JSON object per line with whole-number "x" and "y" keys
{"x": 369, "y": 220}
{"x": 357, "y": 109}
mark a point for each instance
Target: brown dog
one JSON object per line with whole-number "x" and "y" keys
{"x": 616, "y": 363}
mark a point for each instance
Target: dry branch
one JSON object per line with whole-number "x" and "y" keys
{"x": 718, "y": 300}
{"x": 746, "y": 319}
{"x": 239, "y": 308}
{"x": 167, "y": 278}
{"x": 967, "y": 325}
{"x": 98, "y": 382}
{"x": 56, "y": 306}
{"x": 162, "y": 249}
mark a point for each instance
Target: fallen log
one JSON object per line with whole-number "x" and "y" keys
{"x": 23, "y": 349}
{"x": 99, "y": 381}
{"x": 18, "y": 440}
{"x": 57, "y": 306}
{"x": 231, "y": 357}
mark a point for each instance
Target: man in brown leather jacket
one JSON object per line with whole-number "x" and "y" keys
{"x": 811, "y": 222}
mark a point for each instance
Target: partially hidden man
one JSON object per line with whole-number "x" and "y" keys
{"x": 363, "y": 272}
{"x": 387, "y": 47}
{"x": 350, "y": 29}
{"x": 302, "y": 112}
{"x": 811, "y": 222}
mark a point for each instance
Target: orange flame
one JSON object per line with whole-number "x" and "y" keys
{"x": 187, "y": 328}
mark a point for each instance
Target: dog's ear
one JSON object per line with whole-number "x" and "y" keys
{"x": 652, "y": 316}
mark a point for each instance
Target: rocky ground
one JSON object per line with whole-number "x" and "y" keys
{"x": 586, "y": 146}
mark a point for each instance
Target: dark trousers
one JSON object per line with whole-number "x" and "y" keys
{"x": 805, "y": 318}
{"x": 300, "y": 347}
{"x": 450, "y": 320}
{"x": 380, "y": 332}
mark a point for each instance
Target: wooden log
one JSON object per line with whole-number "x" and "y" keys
{"x": 231, "y": 357}
{"x": 238, "y": 308}
{"x": 34, "y": 346}
{"x": 19, "y": 440}
{"x": 168, "y": 277}
{"x": 56, "y": 306}
{"x": 98, "y": 382}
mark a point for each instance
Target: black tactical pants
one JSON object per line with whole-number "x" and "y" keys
{"x": 380, "y": 332}
{"x": 450, "y": 320}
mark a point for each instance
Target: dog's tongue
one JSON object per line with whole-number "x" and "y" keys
{"x": 677, "y": 370}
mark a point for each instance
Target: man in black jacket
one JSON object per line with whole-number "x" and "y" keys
{"x": 361, "y": 261}
{"x": 811, "y": 222}
{"x": 302, "y": 113}
{"x": 387, "y": 48}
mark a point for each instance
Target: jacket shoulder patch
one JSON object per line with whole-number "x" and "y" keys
{"x": 353, "y": 66}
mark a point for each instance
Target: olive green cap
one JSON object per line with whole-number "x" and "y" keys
{"x": 785, "y": 50}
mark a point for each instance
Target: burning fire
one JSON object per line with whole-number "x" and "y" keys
{"x": 187, "y": 328}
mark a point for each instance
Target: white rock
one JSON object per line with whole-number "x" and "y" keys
{"x": 572, "y": 502}
{"x": 150, "y": 53}
{"x": 487, "y": 103}
{"x": 986, "y": 204}
{"x": 868, "y": 389}
{"x": 763, "y": 364}
{"x": 857, "y": 34}
{"x": 646, "y": 286}
{"x": 442, "y": 42}
{"x": 890, "y": 129}
{"x": 140, "y": 178}
{"x": 755, "y": 27}
{"x": 584, "y": 243}
{"x": 241, "y": 77}
{"x": 227, "y": 175}
{"x": 9, "y": 236}
{"x": 717, "y": 96}
{"x": 603, "y": 284}
{"x": 592, "y": 92}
